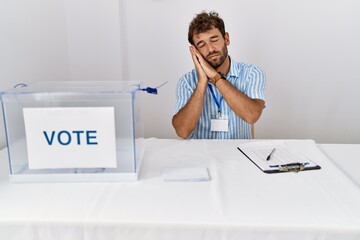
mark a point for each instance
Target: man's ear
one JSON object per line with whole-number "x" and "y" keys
{"x": 227, "y": 39}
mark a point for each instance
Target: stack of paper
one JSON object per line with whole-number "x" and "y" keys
{"x": 186, "y": 174}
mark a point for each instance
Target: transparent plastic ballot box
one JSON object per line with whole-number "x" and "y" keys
{"x": 73, "y": 131}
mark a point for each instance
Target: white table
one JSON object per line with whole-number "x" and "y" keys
{"x": 240, "y": 201}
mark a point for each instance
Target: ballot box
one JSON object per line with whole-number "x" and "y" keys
{"x": 73, "y": 131}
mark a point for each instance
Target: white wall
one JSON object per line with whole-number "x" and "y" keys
{"x": 308, "y": 49}
{"x": 58, "y": 40}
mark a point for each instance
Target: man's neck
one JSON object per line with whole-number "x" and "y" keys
{"x": 225, "y": 67}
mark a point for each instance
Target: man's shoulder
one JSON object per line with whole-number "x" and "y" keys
{"x": 189, "y": 77}
{"x": 238, "y": 66}
{"x": 245, "y": 71}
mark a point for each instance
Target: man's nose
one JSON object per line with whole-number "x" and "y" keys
{"x": 211, "y": 48}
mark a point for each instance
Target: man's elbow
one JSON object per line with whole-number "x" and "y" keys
{"x": 182, "y": 134}
{"x": 180, "y": 130}
{"x": 255, "y": 113}
{"x": 251, "y": 120}
{"x": 253, "y": 117}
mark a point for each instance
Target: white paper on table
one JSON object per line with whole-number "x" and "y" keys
{"x": 185, "y": 174}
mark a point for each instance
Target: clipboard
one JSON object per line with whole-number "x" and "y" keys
{"x": 276, "y": 158}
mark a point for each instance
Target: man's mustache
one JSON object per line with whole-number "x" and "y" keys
{"x": 212, "y": 54}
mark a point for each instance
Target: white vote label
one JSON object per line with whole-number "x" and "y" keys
{"x": 70, "y": 137}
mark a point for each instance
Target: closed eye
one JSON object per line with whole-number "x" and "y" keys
{"x": 214, "y": 39}
{"x": 200, "y": 44}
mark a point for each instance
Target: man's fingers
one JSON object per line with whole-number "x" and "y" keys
{"x": 208, "y": 69}
{"x": 199, "y": 69}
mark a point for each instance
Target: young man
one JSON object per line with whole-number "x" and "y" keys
{"x": 220, "y": 98}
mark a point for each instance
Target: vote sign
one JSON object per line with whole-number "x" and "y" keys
{"x": 74, "y": 137}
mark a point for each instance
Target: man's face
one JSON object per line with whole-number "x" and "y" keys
{"x": 212, "y": 46}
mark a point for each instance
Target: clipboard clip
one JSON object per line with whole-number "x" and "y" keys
{"x": 292, "y": 167}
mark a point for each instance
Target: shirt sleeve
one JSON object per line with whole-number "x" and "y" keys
{"x": 183, "y": 93}
{"x": 256, "y": 83}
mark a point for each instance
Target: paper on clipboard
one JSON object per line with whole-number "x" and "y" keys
{"x": 283, "y": 158}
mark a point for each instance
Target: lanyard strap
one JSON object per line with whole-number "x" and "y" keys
{"x": 218, "y": 103}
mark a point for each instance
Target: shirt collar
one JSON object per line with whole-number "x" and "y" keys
{"x": 233, "y": 71}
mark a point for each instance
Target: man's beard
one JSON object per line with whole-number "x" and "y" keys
{"x": 223, "y": 55}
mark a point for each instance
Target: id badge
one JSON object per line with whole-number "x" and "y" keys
{"x": 220, "y": 124}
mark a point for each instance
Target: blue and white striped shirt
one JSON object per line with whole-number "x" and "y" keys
{"x": 249, "y": 79}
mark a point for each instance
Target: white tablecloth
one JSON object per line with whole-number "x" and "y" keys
{"x": 346, "y": 157}
{"x": 239, "y": 202}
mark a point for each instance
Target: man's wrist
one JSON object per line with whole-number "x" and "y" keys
{"x": 216, "y": 78}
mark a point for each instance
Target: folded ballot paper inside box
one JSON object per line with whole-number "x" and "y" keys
{"x": 72, "y": 131}
{"x": 276, "y": 156}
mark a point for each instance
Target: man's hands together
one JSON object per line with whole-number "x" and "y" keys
{"x": 204, "y": 70}
{"x": 186, "y": 118}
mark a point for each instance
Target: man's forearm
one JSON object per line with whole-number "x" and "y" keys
{"x": 186, "y": 119}
{"x": 246, "y": 108}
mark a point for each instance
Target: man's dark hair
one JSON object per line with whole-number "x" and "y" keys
{"x": 203, "y": 22}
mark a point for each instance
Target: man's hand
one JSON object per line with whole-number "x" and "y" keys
{"x": 208, "y": 70}
{"x": 186, "y": 119}
{"x": 202, "y": 77}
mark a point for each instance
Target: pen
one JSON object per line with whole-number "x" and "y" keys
{"x": 268, "y": 157}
